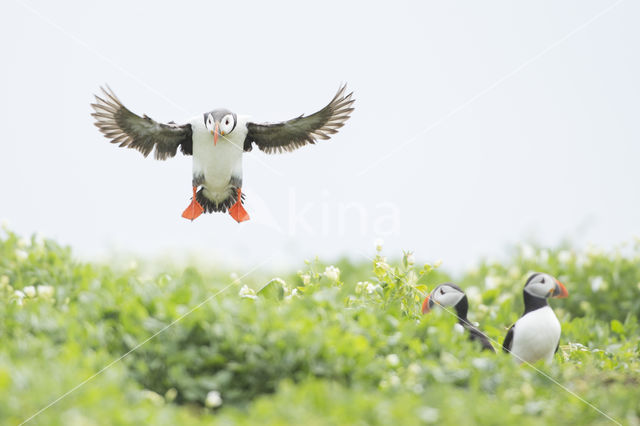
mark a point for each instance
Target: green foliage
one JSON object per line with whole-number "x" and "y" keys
{"x": 340, "y": 344}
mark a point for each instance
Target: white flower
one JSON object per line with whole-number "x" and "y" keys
{"x": 293, "y": 294}
{"x": 247, "y": 293}
{"x": 379, "y": 243}
{"x": 366, "y": 286}
{"x": 18, "y": 294}
{"x": 393, "y": 360}
{"x": 473, "y": 293}
{"x": 213, "y": 399}
{"x": 21, "y": 254}
{"x": 414, "y": 369}
{"x": 306, "y": 279}
{"x": 171, "y": 394}
{"x": 371, "y": 288}
{"x": 23, "y": 242}
{"x": 565, "y": 257}
{"x": 593, "y": 251}
{"x": 155, "y": 398}
{"x": 597, "y": 283}
{"x": 30, "y": 291}
{"x": 514, "y": 272}
{"x": 410, "y": 259}
{"x": 45, "y": 291}
{"x": 438, "y": 263}
{"x": 544, "y": 256}
{"x": 458, "y": 328}
{"x": 39, "y": 240}
{"x": 383, "y": 265}
{"x": 582, "y": 260}
{"x": 481, "y": 363}
{"x": 428, "y": 414}
{"x": 332, "y": 273}
{"x": 490, "y": 282}
{"x": 394, "y": 380}
{"x": 233, "y": 276}
{"x": 528, "y": 252}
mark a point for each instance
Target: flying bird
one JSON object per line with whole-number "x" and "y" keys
{"x": 216, "y": 140}
{"x": 450, "y": 295}
{"x": 536, "y": 335}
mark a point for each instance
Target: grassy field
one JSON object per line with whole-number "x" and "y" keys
{"x": 343, "y": 344}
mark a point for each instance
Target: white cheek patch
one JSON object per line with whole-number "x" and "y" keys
{"x": 539, "y": 289}
{"x": 450, "y": 298}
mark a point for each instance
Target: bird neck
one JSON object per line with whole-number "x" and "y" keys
{"x": 462, "y": 307}
{"x": 531, "y": 302}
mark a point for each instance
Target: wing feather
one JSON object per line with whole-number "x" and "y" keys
{"x": 508, "y": 340}
{"x": 144, "y": 134}
{"x": 293, "y": 134}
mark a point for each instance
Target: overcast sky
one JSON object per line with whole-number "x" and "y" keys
{"x": 477, "y": 124}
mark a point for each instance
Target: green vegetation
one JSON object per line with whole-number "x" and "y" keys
{"x": 327, "y": 345}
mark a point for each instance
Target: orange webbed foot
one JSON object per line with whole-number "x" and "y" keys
{"x": 237, "y": 211}
{"x": 194, "y": 209}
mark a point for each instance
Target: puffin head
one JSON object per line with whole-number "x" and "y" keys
{"x": 544, "y": 286}
{"x": 220, "y": 122}
{"x": 446, "y": 295}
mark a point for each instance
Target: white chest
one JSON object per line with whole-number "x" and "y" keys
{"x": 220, "y": 161}
{"x": 536, "y": 335}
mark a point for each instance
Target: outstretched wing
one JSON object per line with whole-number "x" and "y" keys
{"x": 123, "y": 127}
{"x": 508, "y": 340}
{"x": 289, "y": 135}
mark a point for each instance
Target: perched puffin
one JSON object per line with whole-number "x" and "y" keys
{"x": 536, "y": 335}
{"x": 216, "y": 140}
{"x": 449, "y": 294}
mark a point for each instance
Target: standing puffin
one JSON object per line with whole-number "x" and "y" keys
{"x": 216, "y": 140}
{"x": 449, "y": 294}
{"x": 536, "y": 335}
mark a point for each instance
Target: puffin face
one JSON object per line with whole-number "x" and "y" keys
{"x": 219, "y": 122}
{"x": 544, "y": 286}
{"x": 446, "y": 295}
{"x": 227, "y": 123}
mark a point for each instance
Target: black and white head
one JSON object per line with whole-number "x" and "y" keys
{"x": 220, "y": 122}
{"x": 446, "y": 295}
{"x": 543, "y": 286}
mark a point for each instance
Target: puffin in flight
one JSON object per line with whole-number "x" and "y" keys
{"x": 536, "y": 335}
{"x": 216, "y": 140}
{"x": 449, "y": 294}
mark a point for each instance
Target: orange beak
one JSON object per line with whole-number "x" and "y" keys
{"x": 425, "y": 305}
{"x": 215, "y": 135}
{"x": 560, "y": 291}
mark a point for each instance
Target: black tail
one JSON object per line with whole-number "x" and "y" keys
{"x": 211, "y": 206}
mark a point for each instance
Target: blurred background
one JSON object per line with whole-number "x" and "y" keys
{"x": 476, "y": 125}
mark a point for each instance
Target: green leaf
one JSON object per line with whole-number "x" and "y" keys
{"x": 272, "y": 290}
{"x": 617, "y": 327}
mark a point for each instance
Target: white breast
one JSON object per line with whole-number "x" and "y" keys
{"x": 536, "y": 336}
{"x": 220, "y": 162}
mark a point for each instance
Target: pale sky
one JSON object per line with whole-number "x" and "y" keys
{"x": 477, "y": 125}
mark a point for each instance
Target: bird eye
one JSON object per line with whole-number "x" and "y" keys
{"x": 226, "y": 122}
{"x": 441, "y": 291}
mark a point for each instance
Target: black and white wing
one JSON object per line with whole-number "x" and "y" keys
{"x": 123, "y": 127}
{"x": 508, "y": 340}
{"x": 290, "y": 135}
{"x": 479, "y": 336}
